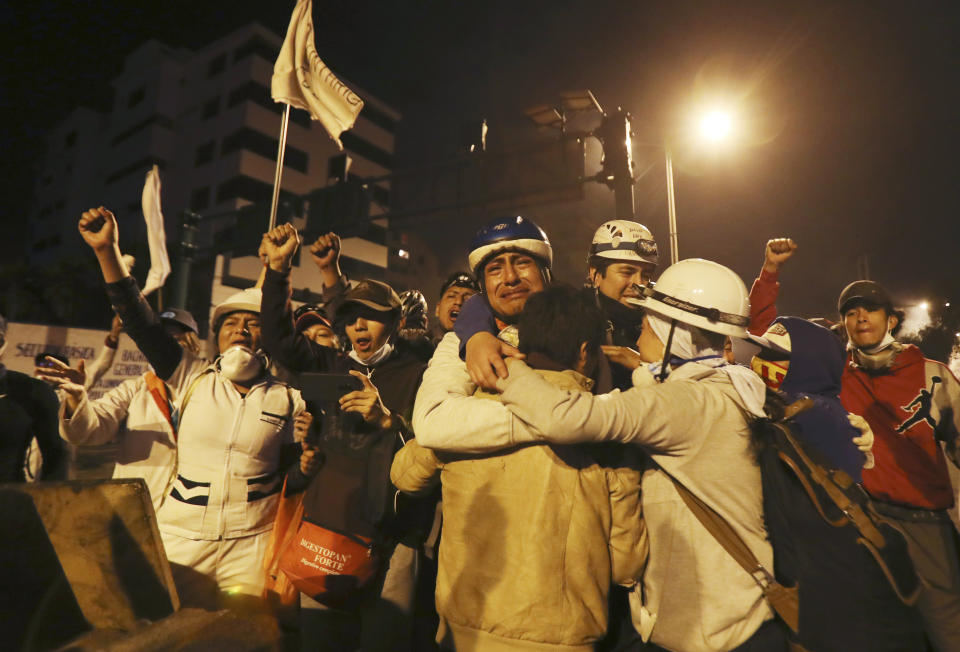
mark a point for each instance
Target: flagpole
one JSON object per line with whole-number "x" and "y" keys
{"x": 281, "y": 149}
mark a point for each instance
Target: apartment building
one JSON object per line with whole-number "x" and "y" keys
{"x": 206, "y": 119}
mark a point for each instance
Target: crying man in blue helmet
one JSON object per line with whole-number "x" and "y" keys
{"x": 511, "y": 259}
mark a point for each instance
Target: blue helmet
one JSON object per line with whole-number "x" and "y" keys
{"x": 509, "y": 234}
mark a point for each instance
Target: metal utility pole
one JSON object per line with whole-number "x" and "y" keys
{"x": 671, "y": 206}
{"x": 188, "y": 248}
{"x": 863, "y": 266}
{"x": 618, "y": 161}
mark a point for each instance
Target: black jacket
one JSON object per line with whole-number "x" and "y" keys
{"x": 352, "y": 492}
{"x": 28, "y": 409}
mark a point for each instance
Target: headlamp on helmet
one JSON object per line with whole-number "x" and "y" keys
{"x": 624, "y": 241}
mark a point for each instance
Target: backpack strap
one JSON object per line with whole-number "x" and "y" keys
{"x": 176, "y": 419}
{"x": 189, "y": 393}
{"x": 835, "y": 484}
{"x": 838, "y": 486}
{"x": 784, "y": 600}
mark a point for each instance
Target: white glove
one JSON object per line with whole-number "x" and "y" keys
{"x": 865, "y": 441}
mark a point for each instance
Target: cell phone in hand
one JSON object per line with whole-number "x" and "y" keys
{"x": 327, "y": 387}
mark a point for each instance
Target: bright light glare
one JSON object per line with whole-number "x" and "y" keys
{"x": 403, "y": 253}
{"x": 716, "y": 125}
{"x": 924, "y": 305}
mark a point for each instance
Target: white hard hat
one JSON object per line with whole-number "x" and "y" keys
{"x": 246, "y": 300}
{"x": 701, "y": 293}
{"x": 625, "y": 241}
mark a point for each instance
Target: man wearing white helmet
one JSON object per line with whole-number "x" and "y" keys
{"x": 623, "y": 257}
{"x": 695, "y": 424}
{"x": 234, "y": 436}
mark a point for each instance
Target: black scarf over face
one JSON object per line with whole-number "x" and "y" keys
{"x": 625, "y": 320}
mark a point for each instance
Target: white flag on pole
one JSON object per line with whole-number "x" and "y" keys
{"x": 302, "y": 80}
{"x": 156, "y": 236}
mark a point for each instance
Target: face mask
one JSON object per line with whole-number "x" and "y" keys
{"x": 882, "y": 345}
{"x": 769, "y": 371}
{"x": 381, "y": 354}
{"x": 239, "y": 364}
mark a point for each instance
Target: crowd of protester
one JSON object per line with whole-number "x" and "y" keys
{"x": 531, "y": 466}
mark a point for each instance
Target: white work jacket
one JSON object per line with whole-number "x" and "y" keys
{"x": 228, "y": 474}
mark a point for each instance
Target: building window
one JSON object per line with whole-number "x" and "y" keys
{"x": 204, "y": 153}
{"x": 252, "y": 140}
{"x": 367, "y": 150}
{"x": 140, "y": 166}
{"x": 380, "y": 195}
{"x": 200, "y": 198}
{"x": 244, "y": 187}
{"x": 360, "y": 268}
{"x": 136, "y": 97}
{"x": 378, "y": 117}
{"x": 159, "y": 120}
{"x": 376, "y": 233}
{"x": 70, "y": 140}
{"x": 216, "y": 65}
{"x": 210, "y": 108}
{"x": 252, "y": 190}
{"x": 338, "y": 167}
{"x": 260, "y": 94}
{"x": 256, "y": 46}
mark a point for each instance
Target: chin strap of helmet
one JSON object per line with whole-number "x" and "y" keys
{"x": 666, "y": 352}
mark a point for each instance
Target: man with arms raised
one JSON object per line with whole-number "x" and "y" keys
{"x": 913, "y": 407}
{"x": 233, "y": 436}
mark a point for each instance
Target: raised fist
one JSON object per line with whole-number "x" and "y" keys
{"x": 279, "y": 245}
{"x": 98, "y": 228}
{"x": 777, "y": 252}
{"x": 326, "y": 250}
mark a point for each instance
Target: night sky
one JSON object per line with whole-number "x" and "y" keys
{"x": 853, "y": 110}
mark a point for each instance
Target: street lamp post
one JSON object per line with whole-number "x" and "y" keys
{"x": 715, "y": 126}
{"x": 671, "y": 206}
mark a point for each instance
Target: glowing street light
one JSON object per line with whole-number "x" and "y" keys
{"x": 924, "y": 305}
{"x": 715, "y": 125}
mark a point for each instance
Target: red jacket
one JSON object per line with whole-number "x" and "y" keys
{"x": 910, "y": 466}
{"x": 911, "y": 406}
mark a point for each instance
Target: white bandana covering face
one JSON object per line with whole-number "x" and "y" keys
{"x": 239, "y": 364}
{"x": 873, "y": 350}
{"x": 876, "y": 357}
{"x": 748, "y": 384}
{"x": 382, "y": 353}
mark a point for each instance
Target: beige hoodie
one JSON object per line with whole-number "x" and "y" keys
{"x": 531, "y": 538}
